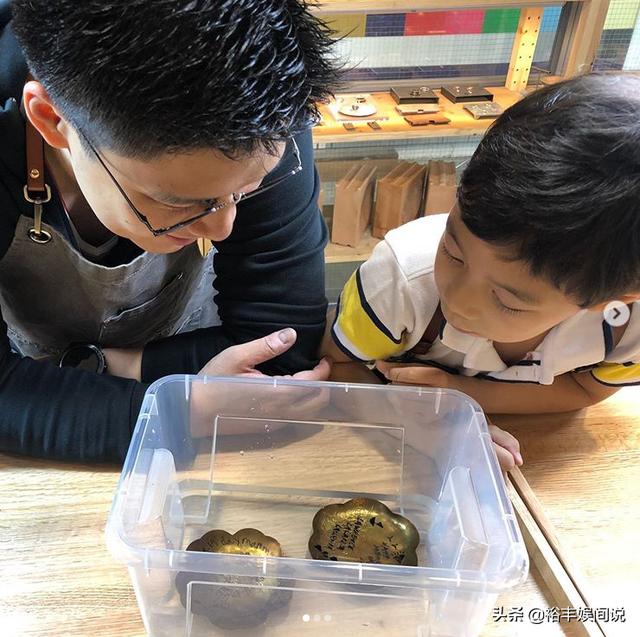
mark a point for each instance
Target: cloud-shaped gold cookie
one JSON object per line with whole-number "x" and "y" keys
{"x": 363, "y": 530}
{"x": 231, "y": 601}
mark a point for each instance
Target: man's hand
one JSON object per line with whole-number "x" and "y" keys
{"x": 241, "y": 360}
{"x": 208, "y": 399}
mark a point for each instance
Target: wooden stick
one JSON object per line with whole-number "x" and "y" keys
{"x": 563, "y": 578}
{"x": 545, "y": 525}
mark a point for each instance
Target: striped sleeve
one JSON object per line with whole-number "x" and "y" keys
{"x": 617, "y": 374}
{"x": 374, "y": 312}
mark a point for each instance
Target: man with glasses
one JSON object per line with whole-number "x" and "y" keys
{"x": 129, "y": 130}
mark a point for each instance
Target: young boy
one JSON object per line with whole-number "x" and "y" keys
{"x": 505, "y": 298}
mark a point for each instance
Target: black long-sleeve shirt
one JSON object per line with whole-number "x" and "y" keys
{"x": 269, "y": 274}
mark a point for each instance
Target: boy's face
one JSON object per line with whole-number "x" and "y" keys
{"x": 484, "y": 293}
{"x": 167, "y": 190}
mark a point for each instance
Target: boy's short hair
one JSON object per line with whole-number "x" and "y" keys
{"x": 557, "y": 180}
{"x": 143, "y": 77}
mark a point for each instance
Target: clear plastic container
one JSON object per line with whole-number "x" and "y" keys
{"x": 230, "y": 453}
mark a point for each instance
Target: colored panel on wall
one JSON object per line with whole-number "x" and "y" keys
{"x": 501, "y": 20}
{"x": 346, "y": 24}
{"x": 613, "y": 48}
{"x": 444, "y": 22}
{"x": 385, "y": 24}
{"x": 622, "y": 14}
{"x": 550, "y": 19}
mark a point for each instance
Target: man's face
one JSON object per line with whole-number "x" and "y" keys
{"x": 486, "y": 294}
{"x": 167, "y": 189}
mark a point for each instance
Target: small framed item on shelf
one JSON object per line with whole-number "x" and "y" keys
{"x": 413, "y": 95}
{"x": 426, "y": 120}
{"x": 417, "y": 109}
{"x": 466, "y": 93}
{"x": 486, "y": 110}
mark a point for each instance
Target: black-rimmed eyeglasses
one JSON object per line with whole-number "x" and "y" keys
{"x": 217, "y": 205}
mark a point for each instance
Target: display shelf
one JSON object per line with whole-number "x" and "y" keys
{"x": 395, "y": 127}
{"x": 391, "y": 6}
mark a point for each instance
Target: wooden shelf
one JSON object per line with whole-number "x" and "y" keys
{"x": 343, "y": 254}
{"x": 402, "y": 6}
{"x": 395, "y": 127}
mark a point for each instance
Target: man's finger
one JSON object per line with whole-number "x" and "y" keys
{"x": 320, "y": 372}
{"x": 264, "y": 349}
{"x": 252, "y": 374}
{"x": 314, "y": 403}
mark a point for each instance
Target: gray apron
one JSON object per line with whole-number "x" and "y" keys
{"x": 52, "y": 296}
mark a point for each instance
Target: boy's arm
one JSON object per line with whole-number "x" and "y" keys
{"x": 568, "y": 392}
{"x": 344, "y": 369}
{"x": 328, "y": 346}
{"x": 375, "y": 312}
{"x": 353, "y": 372}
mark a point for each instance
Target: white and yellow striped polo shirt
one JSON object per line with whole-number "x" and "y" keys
{"x": 388, "y": 303}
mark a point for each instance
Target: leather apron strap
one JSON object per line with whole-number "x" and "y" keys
{"x": 36, "y": 191}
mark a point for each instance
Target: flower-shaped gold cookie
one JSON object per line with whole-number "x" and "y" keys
{"x": 231, "y": 601}
{"x": 363, "y": 530}
{"x": 243, "y": 542}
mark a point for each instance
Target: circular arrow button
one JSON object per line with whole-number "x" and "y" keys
{"x": 617, "y": 314}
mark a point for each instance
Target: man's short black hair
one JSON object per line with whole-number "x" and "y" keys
{"x": 142, "y": 77}
{"x": 557, "y": 180}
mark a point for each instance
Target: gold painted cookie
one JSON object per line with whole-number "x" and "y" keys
{"x": 363, "y": 530}
{"x": 232, "y": 601}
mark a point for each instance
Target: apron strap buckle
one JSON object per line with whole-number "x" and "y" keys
{"x": 37, "y": 234}
{"x": 38, "y": 199}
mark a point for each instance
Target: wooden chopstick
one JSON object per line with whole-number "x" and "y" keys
{"x": 563, "y": 578}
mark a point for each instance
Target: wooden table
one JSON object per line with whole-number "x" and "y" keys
{"x": 58, "y": 578}
{"x": 585, "y": 469}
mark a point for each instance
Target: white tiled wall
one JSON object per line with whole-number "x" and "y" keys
{"x": 632, "y": 61}
{"x": 434, "y": 50}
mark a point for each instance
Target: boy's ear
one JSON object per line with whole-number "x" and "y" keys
{"x": 625, "y": 298}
